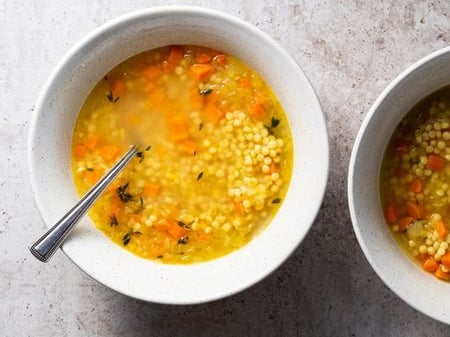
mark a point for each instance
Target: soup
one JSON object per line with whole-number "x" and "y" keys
{"x": 215, "y": 155}
{"x": 415, "y": 183}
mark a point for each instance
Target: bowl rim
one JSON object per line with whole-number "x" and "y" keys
{"x": 168, "y": 10}
{"x": 435, "y": 314}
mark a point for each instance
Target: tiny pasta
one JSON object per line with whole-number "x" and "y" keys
{"x": 215, "y": 154}
{"x": 415, "y": 183}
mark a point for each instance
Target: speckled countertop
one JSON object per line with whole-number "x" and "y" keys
{"x": 350, "y": 50}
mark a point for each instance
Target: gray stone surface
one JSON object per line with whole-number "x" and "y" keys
{"x": 350, "y": 50}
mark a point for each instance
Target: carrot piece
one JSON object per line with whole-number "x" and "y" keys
{"x": 158, "y": 97}
{"x": 91, "y": 176}
{"x": 430, "y": 265}
{"x": 413, "y": 209}
{"x": 415, "y": 186}
{"x": 168, "y": 67}
{"x": 178, "y": 130}
{"x": 390, "y": 213}
{"x": 213, "y": 113}
{"x": 435, "y": 162}
{"x": 244, "y": 82}
{"x": 175, "y": 54}
{"x": 116, "y": 205}
{"x": 439, "y": 273}
{"x": 212, "y": 98}
{"x": 445, "y": 260}
{"x": 257, "y": 110}
{"x": 152, "y": 72}
{"x": 152, "y": 190}
{"x": 403, "y": 223}
{"x": 109, "y": 152}
{"x": 203, "y": 58}
{"x": 187, "y": 146}
{"x": 441, "y": 229}
{"x": 220, "y": 59}
{"x": 118, "y": 87}
{"x": 90, "y": 142}
{"x": 200, "y": 72}
{"x": 79, "y": 151}
{"x": 171, "y": 228}
{"x": 197, "y": 100}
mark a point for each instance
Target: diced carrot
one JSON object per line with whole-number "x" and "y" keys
{"x": 213, "y": 113}
{"x": 90, "y": 142}
{"x": 79, "y": 151}
{"x": 118, "y": 87}
{"x": 152, "y": 72}
{"x": 197, "y": 100}
{"x": 445, "y": 260}
{"x": 203, "y": 58}
{"x": 415, "y": 186}
{"x": 109, "y": 152}
{"x": 430, "y": 265}
{"x": 168, "y": 67}
{"x": 91, "y": 176}
{"x": 178, "y": 130}
{"x": 116, "y": 205}
{"x": 439, "y": 273}
{"x": 172, "y": 228}
{"x": 175, "y": 54}
{"x": 113, "y": 186}
{"x": 212, "y": 98}
{"x": 441, "y": 229}
{"x": 413, "y": 209}
{"x": 200, "y": 72}
{"x": 390, "y": 213}
{"x": 435, "y": 163}
{"x": 220, "y": 59}
{"x": 152, "y": 190}
{"x": 257, "y": 110}
{"x": 158, "y": 97}
{"x": 404, "y": 223}
{"x": 187, "y": 146}
{"x": 244, "y": 82}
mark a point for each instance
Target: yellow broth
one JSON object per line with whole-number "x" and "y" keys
{"x": 415, "y": 183}
{"x": 215, "y": 158}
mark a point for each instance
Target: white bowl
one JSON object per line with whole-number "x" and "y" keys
{"x": 416, "y": 287}
{"x": 54, "y": 120}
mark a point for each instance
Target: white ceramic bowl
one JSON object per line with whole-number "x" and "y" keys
{"x": 416, "y": 287}
{"x": 54, "y": 120}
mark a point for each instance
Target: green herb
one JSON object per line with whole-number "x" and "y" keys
{"x": 126, "y": 238}
{"x": 183, "y": 240}
{"x": 90, "y": 169}
{"x": 141, "y": 205}
{"x": 183, "y": 225}
{"x": 159, "y": 257}
{"x": 195, "y": 152}
{"x": 200, "y": 126}
{"x": 113, "y": 221}
{"x": 205, "y": 92}
{"x": 276, "y": 201}
{"x": 111, "y": 97}
{"x": 140, "y": 154}
{"x": 148, "y": 148}
{"x": 200, "y": 175}
{"x": 274, "y": 122}
{"x": 123, "y": 194}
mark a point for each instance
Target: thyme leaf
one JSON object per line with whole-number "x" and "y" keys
{"x": 123, "y": 194}
{"x": 274, "y": 122}
{"x": 205, "y": 92}
{"x": 111, "y": 97}
{"x": 113, "y": 221}
{"x": 200, "y": 126}
{"x": 89, "y": 169}
{"x": 183, "y": 225}
{"x": 183, "y": 240}
{"x": 200, "y": 175}
{"x": 126, "y": 238}
{"x": 276, "y": 201}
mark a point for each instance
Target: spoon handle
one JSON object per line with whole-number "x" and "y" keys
{"x": 44, "y": 248}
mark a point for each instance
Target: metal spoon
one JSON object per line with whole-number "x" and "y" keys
{"x": 44, "y": 248}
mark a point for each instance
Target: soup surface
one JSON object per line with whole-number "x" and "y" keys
{"x": 415, "y": 183}
{"x": 215, "y": 158}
